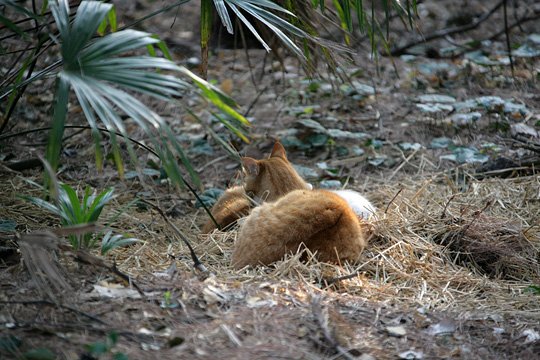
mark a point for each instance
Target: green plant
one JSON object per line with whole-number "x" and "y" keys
{"x": 10, "y": 345}
{"x": 74, "y": 210}
{"x": 111, "y": 241}
{"x": 101, "y": 68}
{"x": 167, "y": 301}
{"x": 100, "y": 71}
{"x": 533, "y": 289}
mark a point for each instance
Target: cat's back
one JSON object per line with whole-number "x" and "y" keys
{"x": 304, "y": 201}
{"x": 232, "y": 205}
{"x": 319, "y": 219}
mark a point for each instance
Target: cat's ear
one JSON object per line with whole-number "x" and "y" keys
{"x": 251, "y": 166}
{"x": 279, "y": 151}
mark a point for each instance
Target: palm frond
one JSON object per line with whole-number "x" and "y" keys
{"x": 97, "y": 72}
{"x": 111, "y": 241}
{"x": 261, "y": 10}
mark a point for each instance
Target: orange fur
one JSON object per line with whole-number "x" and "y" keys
{"x": 264, "y": 180}
{"x": 292, "y": 216}
{"x": 319, "y": 219}
{"x": 231, "y": 206}
{"x": 270, "y": 179}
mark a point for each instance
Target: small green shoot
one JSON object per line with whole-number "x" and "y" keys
{"x": 74, "y": 210}
{"x": 167, "y": 301}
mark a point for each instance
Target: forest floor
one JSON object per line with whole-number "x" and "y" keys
{"x": 446, "y": 147}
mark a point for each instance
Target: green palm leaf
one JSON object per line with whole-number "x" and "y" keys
{"x": 97, "y": 72}
{"x": 111, "y": 241}
{"x": 260, "y": 9}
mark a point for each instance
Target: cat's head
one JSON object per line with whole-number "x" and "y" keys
{"x": 269, "y": 179}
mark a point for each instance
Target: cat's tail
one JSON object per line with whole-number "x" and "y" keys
{"x": 319, "y": 219}
{"x": 231, "y": 206}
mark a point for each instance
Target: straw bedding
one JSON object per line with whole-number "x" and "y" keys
{"x": 437, "y": 249}
{"x": 432, "y": 244}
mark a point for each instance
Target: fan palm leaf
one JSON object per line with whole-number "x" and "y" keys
{"x": 98, "y": 72}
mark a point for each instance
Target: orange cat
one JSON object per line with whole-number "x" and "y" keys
{"x": 264, "y": 180}
{"x": 321, "y": 220}
{"x": 292, "y": 215}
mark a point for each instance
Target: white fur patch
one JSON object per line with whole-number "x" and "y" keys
{"x": 360, "y": 205}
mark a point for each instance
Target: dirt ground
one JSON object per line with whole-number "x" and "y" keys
{"x": 443, "y": 139}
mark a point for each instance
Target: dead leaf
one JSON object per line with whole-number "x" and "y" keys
{"x": 521, "y": 129}
{"x": 227, "y": 86}
{"x": 443, "y": 327}
{"x": 397, "y": 331}
{"x": 411, "y": 354}
{"x": 115, "y": 292}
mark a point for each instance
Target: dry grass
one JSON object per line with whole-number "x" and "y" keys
{"x": 432, "y": 245}
{"x": 470, "y": 253}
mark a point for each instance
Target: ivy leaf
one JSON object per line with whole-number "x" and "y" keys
{"x": 306, "y": 172}
{"x": 7, "y": 225}
{"x": 209, "y": 197}
{"x": 465, "y": 119}
{"x": 377, "y": 160}
{"x": 436, "y": 98}
{"x": 441, "y": 143}
{"x": 407, "y": 146}
{"x": 330, "y": 184}
{"x": 467, "y": 155}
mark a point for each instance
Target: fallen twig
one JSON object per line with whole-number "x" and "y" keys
{"x": 86, "y": 258}
{"x": 197, "y": 264}
{"x": 392, "y": 200}
{"x": 536, "y": 16}
{"x": 507, "y": 37}
{"x": 446, "y": 205}
{"x": 320, "y": 315}
{"x": 405, "y": 161}
{"x": 51, "y": 303}
{"x": 444, "y": 32}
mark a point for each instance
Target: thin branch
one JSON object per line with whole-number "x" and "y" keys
{"x": 89, "y": 259}
{"x": 476, "y": 216}
{"x": 494, "y": 36}
{"x": 444, "y": 32}
{"x": 446, "y": 206}
{"x": 157, "y": 12}
{"x": 391, "y": 201}
{"x": 197, "y": 264}
{"x": 255, "y": 100}
{"x": 50, "y": 303}
{"x": 64, "y": 326}
{"x": 523, "y": 20}
{"x": 20, "y": 91}
{"x": 507, "y": 36}
{"x": 37, "y": 76}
